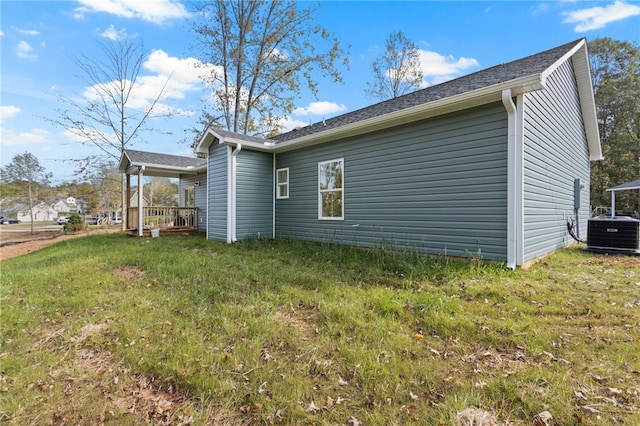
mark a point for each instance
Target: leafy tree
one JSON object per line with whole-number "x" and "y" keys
{"x": 615, "y": 67}
{"x": 397, "y": 71}
{"x": 28, "y": 176}
{"x": 261, "y": 51}
{"x": 107, "y": 115}
{"x": 161, "y": 192}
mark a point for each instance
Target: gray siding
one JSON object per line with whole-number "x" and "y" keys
{"x": 217, "y": 187}
{"x": 555, "y": 153}
{"x": 254, "y": 195}
{"x": 200, "y": 195}
{"x": 437, "y": 186}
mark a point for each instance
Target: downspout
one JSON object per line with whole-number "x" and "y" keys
{"x": 231, "y": 206}
{"x": 140, "y": 198}
{"x": 507, "y": 101}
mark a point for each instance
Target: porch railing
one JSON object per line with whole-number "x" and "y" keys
{"x": 163, "y": 217}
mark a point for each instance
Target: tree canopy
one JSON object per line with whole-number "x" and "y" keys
{"x": 259, "y": 55}
{"x": 615, "y": 67}
{"x": 397, "y": 71}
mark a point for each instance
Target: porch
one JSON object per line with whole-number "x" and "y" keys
{"x": 141, "y": 219}
{"x": 163, "y": 219}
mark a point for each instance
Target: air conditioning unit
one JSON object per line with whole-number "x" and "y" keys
{"x": 614, "y": 234}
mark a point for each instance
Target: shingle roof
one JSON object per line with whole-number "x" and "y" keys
{"x": 531, "y": 65}
{"x": 635, "y": 184}
{"x": 152, "y": 158}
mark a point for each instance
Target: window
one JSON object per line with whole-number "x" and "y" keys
{"x": 330, "y": 190}
{"x": 282, "y": 178}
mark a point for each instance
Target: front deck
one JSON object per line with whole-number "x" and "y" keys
{"x": 162, "y": 220}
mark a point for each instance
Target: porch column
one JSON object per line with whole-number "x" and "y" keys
{"x": 124, "y": 214}
{"x": 140, "y": 198}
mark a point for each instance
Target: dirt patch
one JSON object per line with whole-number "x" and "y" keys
{"x": 15, "y": 244}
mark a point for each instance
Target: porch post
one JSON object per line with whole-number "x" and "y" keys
{"x": 140, "y": 198}
{"x": 124, "y": 215}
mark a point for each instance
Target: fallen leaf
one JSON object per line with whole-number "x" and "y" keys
{"x": 342, "y": 382}
{"x": 312, "y": 408}
{"x": 413, "y": 396}
{"x": 543, "y": 419}
{"x": 353, "y": 421}
{"x": 417, "y": 336}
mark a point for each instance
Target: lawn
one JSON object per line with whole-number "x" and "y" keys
{"x": 179, "y": 330}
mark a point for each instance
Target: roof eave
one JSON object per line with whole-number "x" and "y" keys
{"x": 211, "y": 136}
{"x": 419, "y": 112}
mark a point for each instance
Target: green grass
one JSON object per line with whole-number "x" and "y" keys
{"x": 180, "y": 330}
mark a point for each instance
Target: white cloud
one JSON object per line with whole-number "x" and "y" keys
{"x": 438, "y": 68}
{"x": 598, "y": 17}
{"x": 175, "y": 76}
{"x": 287, "y": 124}
{"x": 28, "y": 32}
{"x": 1, "y": 33}
{"x": 24, "y": 49}
{"x": 34, "y": 136}
{"x": 7, "y": 111}
{"x": 320, "y": 108}
{"x": 157, "y": 12}
{"x": 112, "y": 34}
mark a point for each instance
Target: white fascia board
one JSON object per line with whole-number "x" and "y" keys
{"x": 582, "y": 69}
{"x": 588, "y": 103}
{"x": 211, "y": 136}
{"x": 450, "y": 104}
{"x": 206, "y": 141}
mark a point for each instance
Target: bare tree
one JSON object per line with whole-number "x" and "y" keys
{"x": 27, "y": 175}
{"x": 397, "y": 71}
{"x": 108, "y": 115}
{"x": 261, "y": 52}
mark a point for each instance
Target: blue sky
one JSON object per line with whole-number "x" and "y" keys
{"x": 39, "y": 39}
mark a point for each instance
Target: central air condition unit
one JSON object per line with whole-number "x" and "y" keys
{"x": 614, "y": 234}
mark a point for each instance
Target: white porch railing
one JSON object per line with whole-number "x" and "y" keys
{"x": 163, "y": 217}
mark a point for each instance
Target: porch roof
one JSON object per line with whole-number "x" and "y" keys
{"x": 160, "y": 165}
{"x": 634, "y": 184}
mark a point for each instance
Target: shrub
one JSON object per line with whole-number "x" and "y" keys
{"x": 74, "y": 224}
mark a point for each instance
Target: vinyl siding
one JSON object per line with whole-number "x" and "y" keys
{"x": 217, "y": 188}
{"x": 200, "y": 195}
{"x": 555, "y": 153}
{"x": 254, "y": 195}
{"x": 437, "y": 186}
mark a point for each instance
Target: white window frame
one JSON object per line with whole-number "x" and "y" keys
{"x": 282, "y": 184}
{"x": 321, "y": 191}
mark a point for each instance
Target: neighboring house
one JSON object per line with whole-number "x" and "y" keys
{"x": 42, "y": 212}
{"x": 486, "y": 165}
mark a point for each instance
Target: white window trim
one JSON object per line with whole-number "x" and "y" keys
{"x": 280, "y": 184}
{"x": 320, "y": 217}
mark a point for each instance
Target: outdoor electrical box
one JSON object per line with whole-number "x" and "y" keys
{"x": 577, "y": 188}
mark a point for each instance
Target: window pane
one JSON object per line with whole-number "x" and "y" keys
{"x": 332, "y": 204}
{"x": 282, "y": 176}
{"x": 282, "y": 190}
{"x": 331, "y": 175}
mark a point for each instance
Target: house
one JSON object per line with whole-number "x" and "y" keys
{"x": 42, "y": 212}
{"x": 491, "y": 165}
